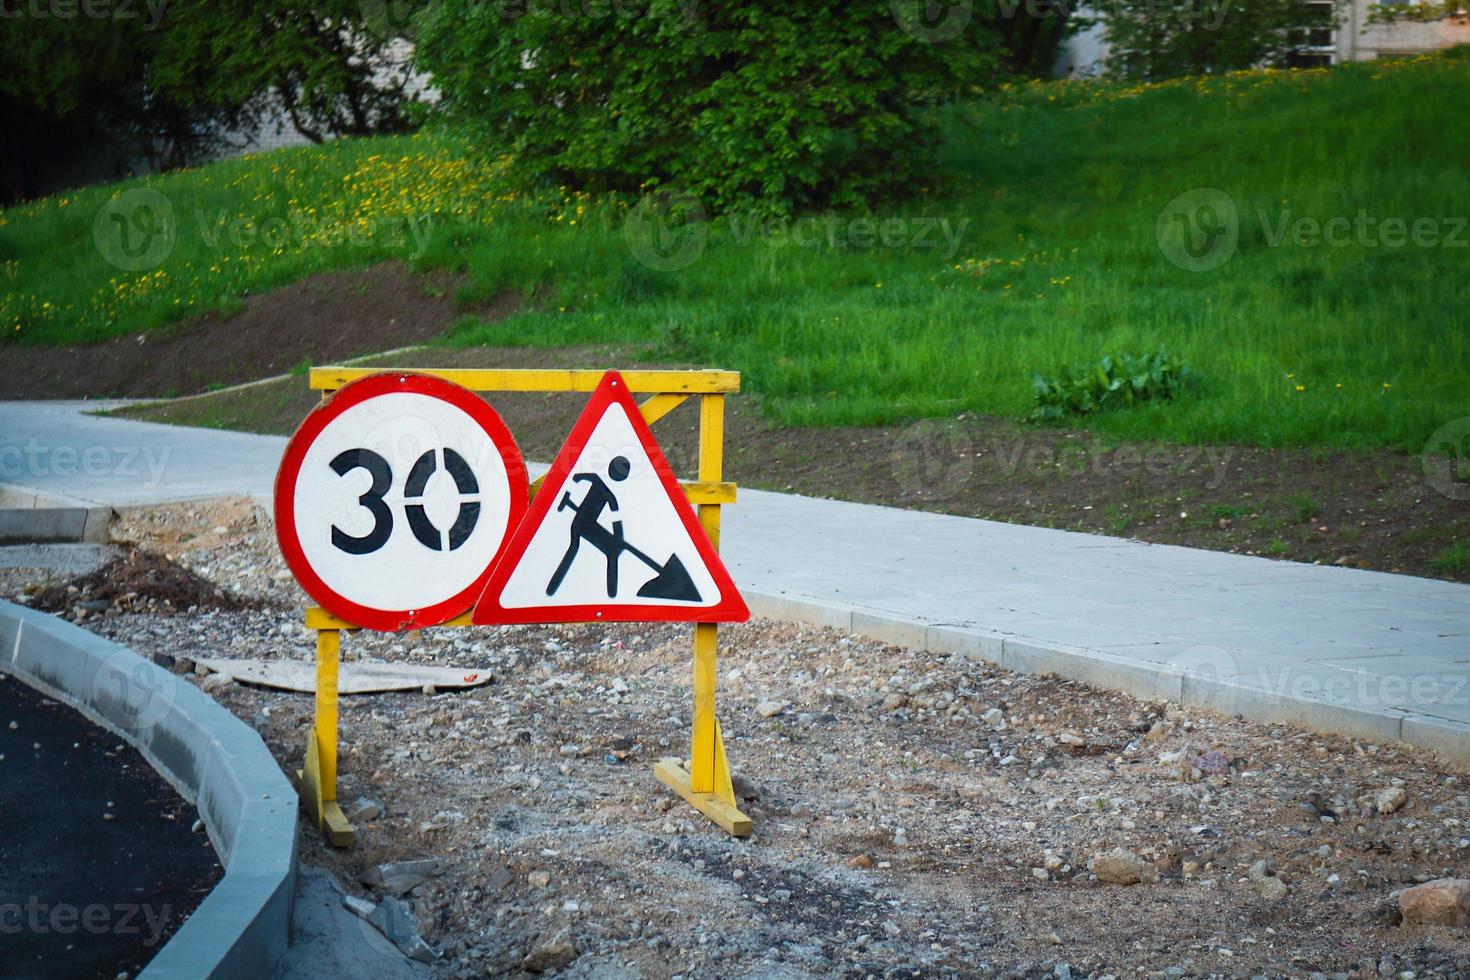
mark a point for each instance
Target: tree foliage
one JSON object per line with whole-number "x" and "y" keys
{"x": 1154, "y": 39}
{"x": 165, "y": 82}
{"x": 757, "y": 104}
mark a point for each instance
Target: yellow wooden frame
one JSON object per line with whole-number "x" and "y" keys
{"x": 705, "y": 784}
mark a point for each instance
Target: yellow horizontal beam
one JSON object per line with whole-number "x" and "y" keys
{"x": 538, "y": 379}
{"x": 318, "y": 618}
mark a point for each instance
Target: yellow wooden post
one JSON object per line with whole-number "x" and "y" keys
{"x": 319, "y": 774}
{"x": 328, "y": 654}
{"x": 707, "y": 785}
{"x": 707, "y": 635}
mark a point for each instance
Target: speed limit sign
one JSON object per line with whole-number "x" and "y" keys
{"x": 394, "y": 498}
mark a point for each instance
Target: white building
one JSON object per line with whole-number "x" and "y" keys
{"x": 1355, "y": 38}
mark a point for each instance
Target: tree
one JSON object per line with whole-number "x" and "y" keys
{"x": 1154, "y": 39}
{"x": 163, "y": 84}
{"x": 757, "y": 104}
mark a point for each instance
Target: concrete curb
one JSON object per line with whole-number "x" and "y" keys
{"x": 30, "y": 517}
{"x": 54, "y": 525}
{"x": 1215, "y": 683}
{"x": 212, "y": 758}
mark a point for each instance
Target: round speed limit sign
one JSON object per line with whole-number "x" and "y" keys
{"x": 394, "y": 498}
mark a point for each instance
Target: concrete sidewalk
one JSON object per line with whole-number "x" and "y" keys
{"x": 1372, "y": 655}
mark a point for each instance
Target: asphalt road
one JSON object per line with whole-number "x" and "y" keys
{"x": 82, "y": 894}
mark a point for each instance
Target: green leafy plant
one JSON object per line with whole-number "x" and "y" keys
{"x": 1303, "y": 507}
{"x": 1454, "y": 560}
{"x": 754, "y": 105}
{"x": 1116, "y": 381}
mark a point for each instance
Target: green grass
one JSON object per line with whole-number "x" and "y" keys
{"x": 1454, "y": 560}
{"x": 1059, "y": 190}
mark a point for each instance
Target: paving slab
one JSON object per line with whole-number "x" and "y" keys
{"x": 1343, "y": 650}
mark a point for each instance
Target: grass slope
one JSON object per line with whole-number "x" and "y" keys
{"x": 1042, "y": 248}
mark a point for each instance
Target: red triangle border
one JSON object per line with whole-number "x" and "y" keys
{"x": 731, "y": 607}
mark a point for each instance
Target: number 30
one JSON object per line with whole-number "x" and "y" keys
{"x": 418, "y": 519}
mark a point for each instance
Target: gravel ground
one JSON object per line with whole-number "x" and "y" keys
{"x": 915, "y": 814}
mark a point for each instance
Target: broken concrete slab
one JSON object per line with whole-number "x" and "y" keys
{"x": 353, "y": 678}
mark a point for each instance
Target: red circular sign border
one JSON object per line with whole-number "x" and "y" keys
{"x": 352, "y": 394}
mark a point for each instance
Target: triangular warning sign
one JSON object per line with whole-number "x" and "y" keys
{"x": 610, "y": 536}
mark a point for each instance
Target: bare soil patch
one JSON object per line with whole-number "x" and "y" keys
{"x": 138, "y": 581}
{"x": 915, "y": 814}
{"x": 332, "y": 316}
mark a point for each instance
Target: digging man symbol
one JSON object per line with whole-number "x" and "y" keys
{"x": 671, "y": 579}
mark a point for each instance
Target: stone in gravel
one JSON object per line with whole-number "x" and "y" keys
{"x": 216, "y": 682}
{"x": 379, "y": 874}
{"x": 770, "y": 709}
{"x": 364, "y": 809}
{"x": 1213, "y": 763}
{"x": 995, "y": 718}
{"x": 1122, "y": 867}
{"x": 1267, "y": 885}
{"x": 554, "y": 953}
{"x": 1444, "y": 902}
{"x": 402, "y": 884}
{"x": 744, "y": 788}
{"x": 1390, "y": 800}
{"x": 393, "y": 919}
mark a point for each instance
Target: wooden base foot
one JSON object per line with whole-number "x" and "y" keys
{"x": 672, "y": 774}
{"x": 325, "y": 813}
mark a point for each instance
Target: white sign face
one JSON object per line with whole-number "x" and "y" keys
{"x": 612, "y": 536}
{"x": 400, "y": 501}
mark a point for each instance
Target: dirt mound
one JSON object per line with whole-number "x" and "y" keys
{"x": 139, "y": 582}
{"x": 329, "y": 317}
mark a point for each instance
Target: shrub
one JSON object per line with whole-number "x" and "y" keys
{"x": 1118, "y": 380}
{"x": 757, "y": 104}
